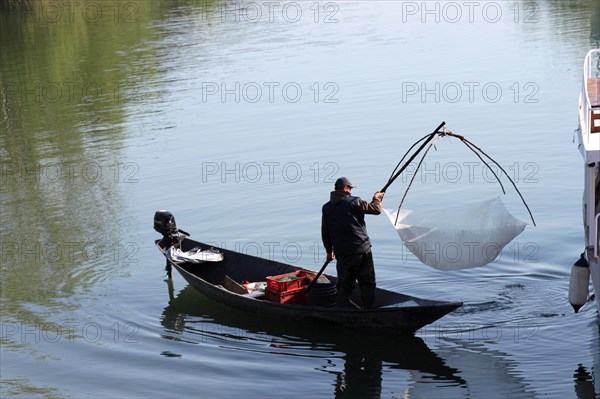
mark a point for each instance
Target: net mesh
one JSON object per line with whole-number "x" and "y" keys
{"x": 458, "y": 237}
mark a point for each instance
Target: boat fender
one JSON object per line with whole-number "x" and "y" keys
{"x": 579, "y": 284}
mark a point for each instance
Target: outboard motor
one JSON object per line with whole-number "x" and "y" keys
{"x": 164, "y": 223}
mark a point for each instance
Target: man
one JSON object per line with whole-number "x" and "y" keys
{"x": 344, "y": 235}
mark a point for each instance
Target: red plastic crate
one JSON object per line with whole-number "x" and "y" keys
{"x": 275, "y": 285}
{"x": 295, "y": 297}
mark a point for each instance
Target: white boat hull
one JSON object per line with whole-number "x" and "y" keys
{"x": 595, "y": 275}
{"x": 588, "y": 135}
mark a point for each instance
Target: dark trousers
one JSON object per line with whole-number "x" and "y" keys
{"x": 356, "y": 267}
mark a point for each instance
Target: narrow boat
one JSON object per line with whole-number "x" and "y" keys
{"x": 588, "y": 134}
{"x": 392, "y": 314}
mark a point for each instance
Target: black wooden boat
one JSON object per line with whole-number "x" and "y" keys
{"x": 393, "y": 313}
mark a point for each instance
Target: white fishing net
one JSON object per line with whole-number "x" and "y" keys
{"x": 194, "y": 255}
{"x": 459, "y": 237}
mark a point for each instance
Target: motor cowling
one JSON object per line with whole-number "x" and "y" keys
{"x": 164, "y": 223}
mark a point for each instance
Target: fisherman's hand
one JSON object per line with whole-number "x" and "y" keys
{"x": 330, "y": 256}
{"x": 378, "y": 195}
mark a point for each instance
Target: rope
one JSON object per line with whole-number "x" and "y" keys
{"x": 474, "y": 148}
{"x": 415, "y": 175}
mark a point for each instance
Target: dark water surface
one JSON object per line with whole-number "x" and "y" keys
{"x": 238, "y": 117}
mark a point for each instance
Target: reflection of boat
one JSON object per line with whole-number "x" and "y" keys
{"x": 194, "y": 317}
{"x": 585, "y": 378}
{"x": 488, "y": 373}
{"x": 588, "y": 134}
{"x": 393, "y": 313}
{"x": 360, "y": 366}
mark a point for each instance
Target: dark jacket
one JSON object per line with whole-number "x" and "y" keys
{"x": 343, "y": 227}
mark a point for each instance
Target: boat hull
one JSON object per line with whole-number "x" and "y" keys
{"x": 595, "y": 275}
{"x": 393, "y": 314}
{"x": 588, "y": 133}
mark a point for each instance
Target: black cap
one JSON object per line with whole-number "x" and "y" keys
{"x": 343, "y": 181}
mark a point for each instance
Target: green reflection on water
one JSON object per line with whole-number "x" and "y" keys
{"x": 69, "y": 74}
{"x": 61, "y": 133}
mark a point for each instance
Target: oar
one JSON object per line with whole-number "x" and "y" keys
{"x": 413, "y": 156}
{"x": 312, "y": 283}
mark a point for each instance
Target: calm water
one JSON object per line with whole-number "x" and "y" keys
{"x": 238, "y": 117}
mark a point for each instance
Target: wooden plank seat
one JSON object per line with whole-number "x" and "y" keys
{"x": 593, "y": 86}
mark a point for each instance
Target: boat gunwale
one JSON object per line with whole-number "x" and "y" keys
{"x": 432, "y": 303}
{"x": 309, "y": 308}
